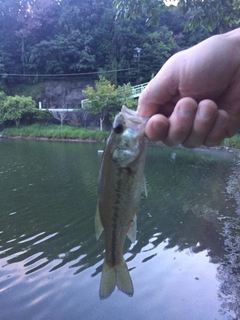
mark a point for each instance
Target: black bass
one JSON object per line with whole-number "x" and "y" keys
{"x": 119, "y": 189}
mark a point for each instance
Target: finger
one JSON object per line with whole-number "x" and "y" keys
{"x": 219, "y": 130}
{"x": 160, "y": 91}
{"x": 151, "y": 101}
{"x": 181, "y": 121}
{"x": 205, "y": 118}
{"x": 157, "y": 127}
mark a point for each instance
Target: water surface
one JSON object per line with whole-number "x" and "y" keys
{"x": 184, "y": 264}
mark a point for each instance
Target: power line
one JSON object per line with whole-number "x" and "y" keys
{"x": 5, "y": 75}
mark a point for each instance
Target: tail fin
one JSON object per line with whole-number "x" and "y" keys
{"x": 115, "y": 276}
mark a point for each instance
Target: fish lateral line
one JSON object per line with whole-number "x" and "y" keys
{"x": 119, "y": 189}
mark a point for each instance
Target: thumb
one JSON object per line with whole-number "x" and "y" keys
{"x": 161, "y": 94}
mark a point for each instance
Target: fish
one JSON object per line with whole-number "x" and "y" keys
{"x": 121, "y": 178}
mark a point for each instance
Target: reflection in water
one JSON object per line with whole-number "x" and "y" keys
{"x": 38, "y": 206}
{"x": 48, "y": 250}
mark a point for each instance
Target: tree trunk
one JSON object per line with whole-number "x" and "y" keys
{"x": 101, "y": 124}
{"x": 23, "y": 55}
{"x": 17, "y": 122}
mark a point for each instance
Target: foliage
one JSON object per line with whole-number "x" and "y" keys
{"x": 42, "y": 116}
{"x": 14, "y": 108}
{"x": 215, "y": 15}
{"x": 101, "y": 100}
{"x": 55, "y": 131}
{"x": 124, "y": 93}
{"x": 68, "y": 37}
{"x": 105, "y": 99}
{"x": 232, "y": 142}
{"x": 2, "y": 99}
{"x": 157, "y": 48}
{"x": 136, "y": 8}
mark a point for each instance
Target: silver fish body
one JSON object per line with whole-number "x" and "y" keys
{"x": 120, "y": 184}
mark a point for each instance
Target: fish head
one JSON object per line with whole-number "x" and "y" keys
{"x": 127, "y": 137}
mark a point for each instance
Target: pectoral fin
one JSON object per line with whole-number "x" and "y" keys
{"x": 132, "y": 233}
{"x": 98, "y": 224}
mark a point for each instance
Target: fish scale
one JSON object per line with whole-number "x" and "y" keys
{"x": 120, "y": 183}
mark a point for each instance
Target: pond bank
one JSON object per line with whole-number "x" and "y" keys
{"x": 52, "y": 139}
{"x": 76, "y": 134}
{"x": 55, "y": 132}
{"x": 227, "y": 147}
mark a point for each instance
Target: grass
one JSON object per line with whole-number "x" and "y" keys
{"x": 69, "y": 132}
{"x": 232, "y": 142}
{"x": 56, "y": 131}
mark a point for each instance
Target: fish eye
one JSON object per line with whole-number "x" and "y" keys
{"x": 118, "y": 128}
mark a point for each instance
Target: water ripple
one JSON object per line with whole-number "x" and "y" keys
{"x": 51, "y": 262}
{"x": 45, "y": 238}
{"x": 32, "y": 238}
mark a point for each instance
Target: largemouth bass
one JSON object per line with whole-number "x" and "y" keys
{"x": 119, "y": 188}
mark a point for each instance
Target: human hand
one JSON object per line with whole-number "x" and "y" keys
{"x": 194, "y": 99}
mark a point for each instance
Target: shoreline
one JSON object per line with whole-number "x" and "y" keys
{"x": 89, "y": 140}
{"x": 51, "y": 139}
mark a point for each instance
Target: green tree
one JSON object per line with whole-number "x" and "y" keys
{"x": 102, "y": 99}
{"x": 69, "y": 49}
{"x": 14, "y": 108}
{"x": 137, "y": 8}
{"x": 22, "y": 24}
{"x": 32, "y": 16}
{"x": 42, "y": 116}
{"x": 73, "y": 36}
{"x": 105, "y": 99}
{"x": 124, "y": 94}
{"x": 2, "y": 97}
{"x": 215, "y": 15}
{"x": 156, "y": 49}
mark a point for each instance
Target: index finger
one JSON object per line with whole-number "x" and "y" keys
{"x": 160, "y": 95}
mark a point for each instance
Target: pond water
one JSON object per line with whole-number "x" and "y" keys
{"x": 185, "y": 263}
